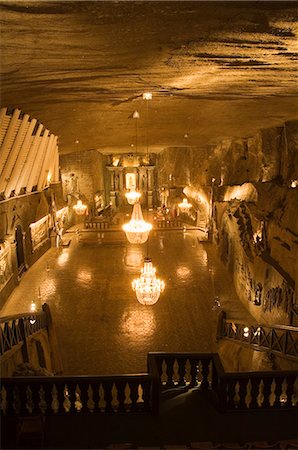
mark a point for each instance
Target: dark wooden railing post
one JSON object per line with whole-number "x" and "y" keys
{"x": 155, "y": 388}
{"x": 25, "y": 353}
{"x": 220, "y": 324}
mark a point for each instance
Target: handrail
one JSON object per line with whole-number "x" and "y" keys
{"x": 280, "y": 339}
{"x": 141, "y": 393}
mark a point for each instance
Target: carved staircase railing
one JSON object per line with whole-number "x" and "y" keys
{"x": 15, "y": 329}
{"x": 141, "y": 393}
{"x": 279, "y": 339}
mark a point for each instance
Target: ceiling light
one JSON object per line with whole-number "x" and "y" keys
{"x": 184, "y": 206}
{"x": 137, "y": 230}
{"x": 147, "y": 287}
{"x": 80, "y": 208}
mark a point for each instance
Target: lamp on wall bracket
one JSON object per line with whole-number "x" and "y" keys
{"x": 133, "y": 196}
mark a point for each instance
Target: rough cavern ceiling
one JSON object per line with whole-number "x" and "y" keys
{"x": 216, "y": 69}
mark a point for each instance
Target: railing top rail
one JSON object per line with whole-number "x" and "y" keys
{"x": 273, "y": 326}
{"x": 182, "y": 354}
{"x": 78, "y": 378}
{"x": 267, "y": 374}
{"x": 26, "y": 315}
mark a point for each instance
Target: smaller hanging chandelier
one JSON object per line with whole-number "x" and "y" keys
{"x": 132, "y": 196}
{"x": 147, "y": 287}
{"x": 137, "y": 230}
{"x": 80, "y": 208}
{"x": 184, "y": 206}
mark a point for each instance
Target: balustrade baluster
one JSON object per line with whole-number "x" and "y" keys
{"x": 176, "y": 376}
{"x": 267, "y": 391}
{"x": 55, "y": 401}
{"x": 278, "y": 391}
{"x": 3, "y": 401}
{"x": 29, "y": 400}
{"x": 242, "y": 393}
{"x": 140, "y": 400}
{"x": 127, "y": 398}
{"x": 205, "y": 374}
{"x": 42, "y": 404}
{"x": 254, "y": 392}
{"x": 260, "y": 397}
{"x": 102, "y": 403}
{"x": 248, "y": 394}
{"x": 78, "y": 401}
{"x": 164, "y": 373}
{"x": 133, "y": 395}
{"x": 283, "y": 399}
{"x": 294, "y": 398}
{"x": 187, "y": 376}
{"x": 90, "y": 401}
{"x": 272, "y": 396}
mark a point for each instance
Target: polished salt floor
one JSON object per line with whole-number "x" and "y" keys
{"x": 101, "y": 327}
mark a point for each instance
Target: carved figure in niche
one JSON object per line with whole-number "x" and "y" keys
{"x": 73, "y": 183}
{"x": 164, "y": 194}
{"x": 258, "y": 295}
{"x": 116, "y": 181}
{"x": 99, "y": 202}
{"x": 143, "y": 182}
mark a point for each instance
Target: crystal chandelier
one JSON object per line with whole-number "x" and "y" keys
{"x": 147, "y": 287}
{"x": 137, "y": 230}
{"x": 184, "y": 206}
{"x": 80, "y": 208}
{"x": 133, "y": 196}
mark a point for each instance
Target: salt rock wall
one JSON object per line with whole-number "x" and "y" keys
{"x": 22, "y": 212}
{"x": 83, "y": 173}
{"x": 255, "y": 212}
{"x": 257, "y": 236}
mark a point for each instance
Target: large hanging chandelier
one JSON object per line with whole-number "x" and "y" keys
{"x": 184, "y": 206}
{"x": 80, "y": 208}
{"x": 137, "y": 230}
{"x": 147, "y": 287}
{"x": 132, "y": 196}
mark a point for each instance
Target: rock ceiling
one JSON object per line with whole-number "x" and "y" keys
{"x": 216, "y": 69}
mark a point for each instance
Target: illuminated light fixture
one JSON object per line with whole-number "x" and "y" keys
{"x": 294, "y": 184}
{"x": 246, "y": 332}
{"x": 137, "y": 230}
{"x": 147, "y": 287}
{"x": 184, "y": 206}
{"x": 132, "y": 196}
{"x": 147, "y": 96}
{"x": 80, "y": 208}
{"x": 33, "y": 307}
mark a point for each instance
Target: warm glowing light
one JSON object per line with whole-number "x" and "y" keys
{"x": 183, "y": 272}
{"x": 147, "y": 287}
{"x": 184, "y": 206}
{"x": 294, "y": 183}
{"x": 147, "y": 96}
{"x": 137, "y": 230}
{"x": 49, "y": 177}
{"x": 80, "y": 208}
{"x": 33, "y": 306}
{"x": 115, "y": 161}
{"x": 132, "y": 196}
{"x": 245, "y": 332}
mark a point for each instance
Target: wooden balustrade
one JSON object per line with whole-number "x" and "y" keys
{"x": 169, "y": 224}
{"x": 279, "y": 339}
{"x": 72, "y": 395}
{"x": 97, "y": 225}
{"x": 15, "y": 329}
{"x": 140, "y": 393}
{"x": 258, "y": 390}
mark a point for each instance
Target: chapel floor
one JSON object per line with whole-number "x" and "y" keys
{"x": 101, "y": 327}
